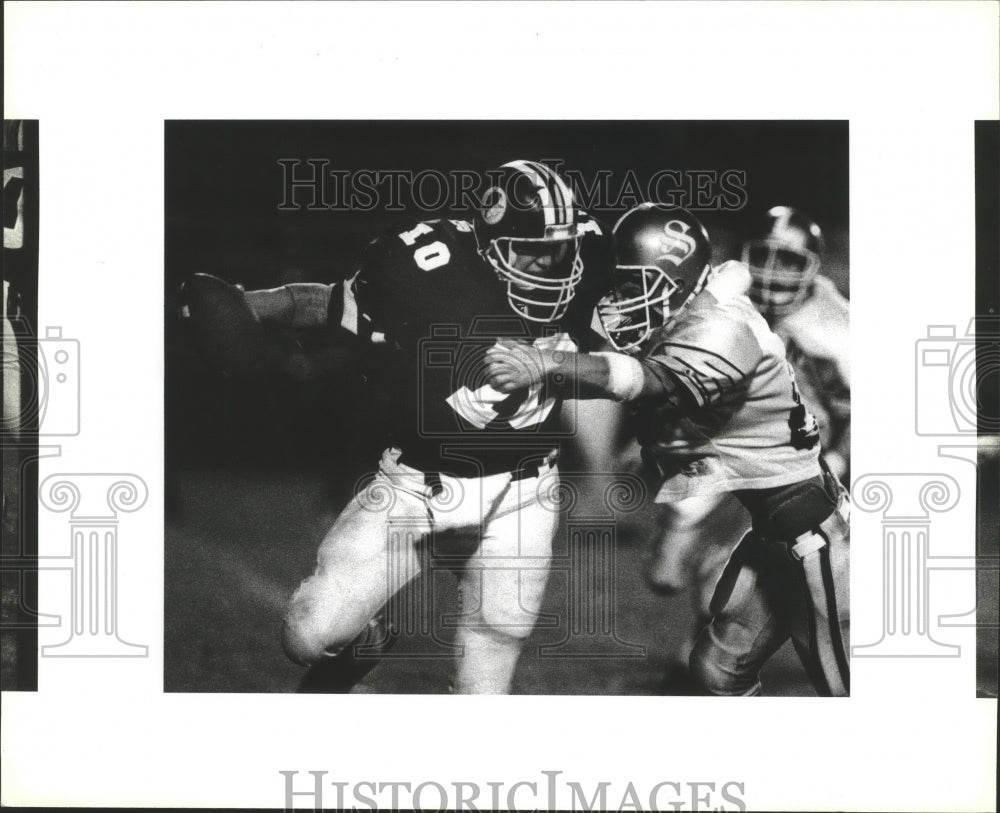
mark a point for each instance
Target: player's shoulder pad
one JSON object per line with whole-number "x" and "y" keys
{"x": 597, "y": 238}
{"x": 823, "y": 319}
{"x": 729, "y": 281}
{"x": 714, "y": 328}
{"x": 588, "y": 224}
{"x": 391, "y": 236}
{"x": 396, "y": 250}
{"x": 598, "y": 255}
{"x": 820, "y": 328}
{"x": 826, "y": 295}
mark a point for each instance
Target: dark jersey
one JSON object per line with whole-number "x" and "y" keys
{"x": 430, "y": 307}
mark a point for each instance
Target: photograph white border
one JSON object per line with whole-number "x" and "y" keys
{"x": 101, "y": 78}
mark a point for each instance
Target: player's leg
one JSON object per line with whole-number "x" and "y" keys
{"x": 726, "y": 526}
{"x": 12, "y": 416}
{"x": 749, "y": 620}
{"x": 502, "y": 587}
{"x": 685, "y": 530}
{"x": 821, "y": 612}
{"x": 694, "y": 539}
{"x": 11, "y": 375}
{"x": 365, "y": 558}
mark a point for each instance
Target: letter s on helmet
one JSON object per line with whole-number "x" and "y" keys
{"x": 663, "y": 260}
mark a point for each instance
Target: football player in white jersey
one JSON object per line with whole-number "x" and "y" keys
{"x": 716, "y": 410}
{"x": 784, "y": 254}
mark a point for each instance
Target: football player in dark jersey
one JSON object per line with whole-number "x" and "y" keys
{"x": 716, "y": 410}
{"x": 426, "y": 303}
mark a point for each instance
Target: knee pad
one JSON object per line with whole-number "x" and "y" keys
{"x": 299, "y": 646}
{"x": 665, "y": 587}
{"x": 508, "y": 601}
{"x": 502, "y": 622}
{"x": 667, "y": 581}
{"x": 716, "y": 671}
{"x": 487, "y": 662}
{"x": 690, "y": 515}
{"x": 305, "y": 637}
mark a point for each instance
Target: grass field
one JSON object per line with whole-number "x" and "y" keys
{"x": 240, "y": 542}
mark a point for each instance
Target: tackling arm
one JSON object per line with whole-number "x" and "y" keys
{"x": 609, "y": 375}
{"x": 300, "y": 304}
{"x": 228, "y": 325}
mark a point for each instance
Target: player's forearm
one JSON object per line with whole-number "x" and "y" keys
{"x": 609, "y": 375}
{"x": 300, "y": 304}
{"x": 272, "y": 305}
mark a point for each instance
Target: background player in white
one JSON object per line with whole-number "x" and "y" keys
{"x": 464, "y": 463}
{"x": 784, "y": 253}
{"x": 716, "y": 410}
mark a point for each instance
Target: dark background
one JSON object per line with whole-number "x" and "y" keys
{"x": 257, "y": 470}
{"x": 224, "y": 186}
{"x": 987, "y": 145}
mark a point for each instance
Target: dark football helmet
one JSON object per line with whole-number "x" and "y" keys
{"x": 527, "y": 228}
{"x": 663, "y": 260}
{"x": 784, "y": 257}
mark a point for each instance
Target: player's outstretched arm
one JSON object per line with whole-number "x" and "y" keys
{"x": 227, "y": 324}
{"x": 226, "y": 330}
{"x": 300, "y": 304}
{"x": 614, "y": 376}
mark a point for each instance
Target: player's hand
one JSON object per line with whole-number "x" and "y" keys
{"x": 513, "y": 365}
{"x": 225, "y": 328}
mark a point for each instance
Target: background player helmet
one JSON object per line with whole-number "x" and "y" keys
{"x": 784, "y": 257}
{"x": 527, "y": 227}
{"x": 663, "y": 260}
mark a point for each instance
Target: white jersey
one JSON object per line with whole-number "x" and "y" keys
{"x": 817, "y": 343}
{"x": 747, "y": 428}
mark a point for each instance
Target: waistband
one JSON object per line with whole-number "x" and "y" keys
{"x": 532, "y": 467}
{"x": 789, "y": 511}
